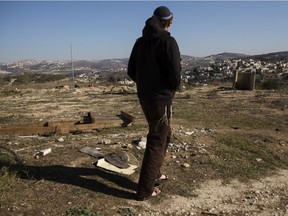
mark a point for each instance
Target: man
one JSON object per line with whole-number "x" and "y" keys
{"x": 155, "y": 66}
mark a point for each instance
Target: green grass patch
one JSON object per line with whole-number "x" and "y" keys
{"x": 81, "y": 211}
{"x": 27, "y": 78}
{"x": 7, "y": 178}
{"x": 10, "y": 167}
{"x": 270, "y": 84}
{"x": 127, "y": 211}
{"x": 241, "y": 158}
{"x": 220, "y": 111}
{"x": 10, "y": 92}
{"x": 11, "y": 119}
{"x": 249, "y": 121}
{"x": 225, "y": 117}
{"x": 184, "y": 189}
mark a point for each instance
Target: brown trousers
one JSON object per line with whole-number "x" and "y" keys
{"x": 158, "y": 138}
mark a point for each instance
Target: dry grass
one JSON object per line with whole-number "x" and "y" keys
{"x": 236, "y": 135}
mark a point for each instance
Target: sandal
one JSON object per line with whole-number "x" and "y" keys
{"x": 163, "y": 178}
{"x": 154, "y": 194}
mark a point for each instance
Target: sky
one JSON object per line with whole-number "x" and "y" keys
{"x": 96, "y": 30}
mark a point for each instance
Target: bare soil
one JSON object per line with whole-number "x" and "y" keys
{"x": 67, "y": 179}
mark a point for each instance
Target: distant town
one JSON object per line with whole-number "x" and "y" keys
{"x": 195, "y": 70}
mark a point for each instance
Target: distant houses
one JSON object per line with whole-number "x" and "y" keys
{"x": 226, "y": 69}
{"x": 195, "y": 70}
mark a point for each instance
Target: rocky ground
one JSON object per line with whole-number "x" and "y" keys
{"x": 66, "y": 180}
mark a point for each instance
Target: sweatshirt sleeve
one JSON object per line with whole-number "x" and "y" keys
{"x": 173, "y": 64}
{"x": 131, "y": 71}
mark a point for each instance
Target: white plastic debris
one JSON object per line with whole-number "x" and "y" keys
{"x": 142, "y": 142}
{"x": 43, "y": 152}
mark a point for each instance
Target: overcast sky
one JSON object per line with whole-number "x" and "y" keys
{"x": 44, "y": 30}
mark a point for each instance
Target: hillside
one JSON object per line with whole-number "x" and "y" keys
{"x": 83, "y": 66}
{"x": 272, "y": 57}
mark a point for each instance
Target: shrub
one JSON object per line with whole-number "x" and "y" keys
{"x": 80, "y": 211}
{"x": 270, "y": 84}
{"x": 38, "y": 78}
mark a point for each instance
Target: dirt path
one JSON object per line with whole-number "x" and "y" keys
{"x": 214, "y": 198}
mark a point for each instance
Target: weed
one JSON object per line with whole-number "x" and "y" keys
{"x": 81, "y": 211}
{"x": 7, "y": 179}
{"x": 270, "y": 84}
{"x": 5, "y": 80}
{"x": 8, "y": 156}
{"x": 10, "y": 166}
{"x": 249, "y": 121}
{"x": 182, "y": 189}
{"x": 27, "y": 78}
{"x": 126, "y": 211}
{"x": 13, "y": 119}
{"x": 237, "y": 157}
{"x": 10, "y": 92}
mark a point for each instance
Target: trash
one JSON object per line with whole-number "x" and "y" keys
{"x": 128, "y": 119}
{"x": 43, "y": 152}
{"x": 141, "y": 142}
{"x": 92, "y": 152}
{"x": 117, "y": 160}
{"x": 132, "y": 160}
{"x": 113, "y": 165}
{"x": 105, "y": 165}
{"x": 120, "y": 162}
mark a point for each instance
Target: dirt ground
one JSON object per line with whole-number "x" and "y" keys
{"x": 67, "y": 179}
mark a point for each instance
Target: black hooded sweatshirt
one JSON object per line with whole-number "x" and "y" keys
{"x": 154, "y": 65}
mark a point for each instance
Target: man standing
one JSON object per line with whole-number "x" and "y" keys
{"x": 154, "y": 65}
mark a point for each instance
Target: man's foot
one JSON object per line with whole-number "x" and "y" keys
{"x": 163, "y": 178}
{"x": 155, "y": 193}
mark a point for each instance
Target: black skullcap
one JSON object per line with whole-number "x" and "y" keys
{"x": 163, "y": 13}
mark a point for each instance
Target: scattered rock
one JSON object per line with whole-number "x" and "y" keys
{"x": 259, "y": 159}
{"x": 186, "y": 165}
{"x": 105, "y": 141}
{"x": 61, "y": 139}
{"x": 190, "y": 133}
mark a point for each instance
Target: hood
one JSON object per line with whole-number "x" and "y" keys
{"x": 153, "y": 29}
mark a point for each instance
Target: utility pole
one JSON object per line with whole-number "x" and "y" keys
{"x": 72, "y": 66}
